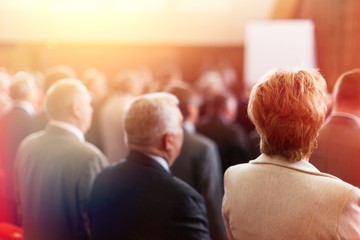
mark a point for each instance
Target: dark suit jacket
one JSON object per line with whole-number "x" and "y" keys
{"x": 338, "y": 150}
{"x": 199, "y": 165}
{"x": 54, "y": 174}
{"x": 14, "y": 127}
{"x": 139, "y": 199}
{"x": 230, "y": 138}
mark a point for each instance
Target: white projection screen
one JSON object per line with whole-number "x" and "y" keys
{"x": 285, "y": 44}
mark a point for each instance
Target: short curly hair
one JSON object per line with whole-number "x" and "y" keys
{"x": 288, "y": 109}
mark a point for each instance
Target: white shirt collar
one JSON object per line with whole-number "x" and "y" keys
{"x": 26, "y": 106}
{"x": 161, "y": 161}
{"x": 189, "y": 127}
{"x": 347, "y": 115}
{"x": 68, "y": 127}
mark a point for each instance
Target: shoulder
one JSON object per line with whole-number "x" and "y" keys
{"x": 106, "y": 178}
{"x": 199, "y": 140}
{"x": 235, "y": 171}
{"x": 185, "y": 198}
{"x": 339, "y": 187}
{"x": 186, "y": 210}
{"x": 199, "y": 146}
{"x": 31, "y": 139}
{"x": 28, "y": 145}
{"x": 91, "y": 153}
{"x": 91, "y": 148}
{"x": 349, "y": 218}
{"x": 181, "y": 188}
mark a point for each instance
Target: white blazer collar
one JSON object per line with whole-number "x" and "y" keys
{"x": 302, "y": 165}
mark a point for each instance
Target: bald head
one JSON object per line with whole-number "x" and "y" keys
{"x": 68, "y": 100}
{"x": 347, "y": 90}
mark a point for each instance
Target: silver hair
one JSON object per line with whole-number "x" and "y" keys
{"x": 151, "y": 116}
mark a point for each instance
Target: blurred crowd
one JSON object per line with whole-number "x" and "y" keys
{"x": 213, "y": 107}
{"x": 217, "y": 96}
{"x": 149, "y": 155}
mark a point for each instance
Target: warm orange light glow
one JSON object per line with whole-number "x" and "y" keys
{"x": 78, "y": 5}
{"x": 201, "y": 22}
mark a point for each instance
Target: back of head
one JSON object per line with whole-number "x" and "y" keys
{"x": 187, "y": 97}
{"x": 210, "y": 82}
{"x": 61, "y": 96}
{"x": 57, "y": 73}
{"x": 223, "y": 103}
{"x": 5, "y": 81}
{"x": 151, "y": 116}
{"x": 96, "y": 83}
{"x": 23, "y": 86}
{"x": 168, "y": 76}
{"x": 347, "y": 90}
{"x": 128, "y": 82}
{"x": 288, "y": 109}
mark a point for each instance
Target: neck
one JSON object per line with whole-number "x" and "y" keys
{"x": 70, "y": 121}
{"x": 150, "y": 150}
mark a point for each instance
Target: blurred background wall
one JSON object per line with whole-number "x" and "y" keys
{"x": 116, "y": 34}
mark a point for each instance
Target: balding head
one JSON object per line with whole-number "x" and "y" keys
{"x": 347, "y": 91}
{"x": 68, "y": 100}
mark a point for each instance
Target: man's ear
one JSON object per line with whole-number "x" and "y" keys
{"x": 76, "y": 109}
{"x": 167, "y": 141}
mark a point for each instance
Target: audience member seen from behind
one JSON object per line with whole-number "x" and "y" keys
{"x": 15, "y": 125}
{"x": 55, "y": 168}
{"x": 280, "y": 195}
{"x": 219, "y": 125}
{"x": 5, "y": 100}
{"x": 51, "y": 76}
{"x": 96, "y": 83}
{"x": 139, "y": 198}
{"x": 198, "y": 163}
{"x": 208, "y": 85}
{"x": 338, "y": 150}
{"x": 127, "y": 85}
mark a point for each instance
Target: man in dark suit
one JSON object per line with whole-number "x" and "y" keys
{"x": 219, "y": 125}
{"x": 338, "y": 150}
{"x": 138, "y": 198}
{"x": 55, "y": 168}
{"x": 198, "y": 163}
{"x": 15, "y": 125}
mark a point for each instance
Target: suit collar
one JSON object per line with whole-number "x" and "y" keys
{"x": 68, "y": 127}
{"x": 26, "y": 106}
{"x": 146, "y": 160}
{"x": 301, "y": 166}
{"x": 56, "y": 130}
{"x": 161, "y": 161}
{"x": 189, "y": 127}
